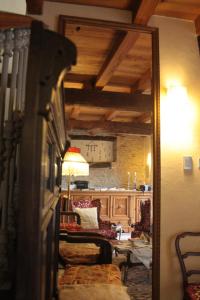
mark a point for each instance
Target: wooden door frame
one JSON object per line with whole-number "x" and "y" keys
{"x": 63, "y": 20}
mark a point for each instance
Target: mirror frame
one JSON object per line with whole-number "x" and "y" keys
{"x": 63, "y": 20}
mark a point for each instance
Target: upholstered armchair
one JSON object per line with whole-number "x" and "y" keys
{"x": 92, "y": 273}
{"x": 100, "y": 280}
{"x": 75, "y": 250}
{"x": 143, "y": 226}
{"x": 84, "y": 210}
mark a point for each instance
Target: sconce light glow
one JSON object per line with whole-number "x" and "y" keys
{"x": 149, "y": 160}
{"x": 177, "y": 117}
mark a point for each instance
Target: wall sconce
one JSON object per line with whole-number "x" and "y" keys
{"x": 177, "y": 93}
{"x": 177, "y": 116}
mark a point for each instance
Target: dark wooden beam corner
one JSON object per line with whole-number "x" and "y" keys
{"x": 111, "y": 127}
{"x": 112, "y": 100}
{"x": 34, "y": 7}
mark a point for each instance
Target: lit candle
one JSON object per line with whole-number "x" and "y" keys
{"x": 128, "y": 180}
{"x": 135, "y": 182}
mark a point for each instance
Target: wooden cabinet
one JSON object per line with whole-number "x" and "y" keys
{"x": 116, "y": 206}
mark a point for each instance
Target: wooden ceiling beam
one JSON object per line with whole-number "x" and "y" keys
{"x": 178, "y": 10}
{"x": 115, "y": 57}
{"x": 110, "y": 127}
{"x": 116, "y": 101}
{"x": 145, "y": 11}
{"x": 197, "y": 25}
{"x": 142, "y": 16}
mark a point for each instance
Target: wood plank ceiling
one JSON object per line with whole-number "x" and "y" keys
{"x": 105, "y": 90}
{"x": 109, "y": 89}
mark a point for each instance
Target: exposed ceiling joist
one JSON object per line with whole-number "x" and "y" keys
{"x": 145, "y": 11}
{"x": 114, "y": 58}
{"x": 110, "y": 127}
{"x": 116, "y": 101}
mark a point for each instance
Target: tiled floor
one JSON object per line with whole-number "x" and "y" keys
{"x": 138, "y": 280}
{"x": 124, "y": 236}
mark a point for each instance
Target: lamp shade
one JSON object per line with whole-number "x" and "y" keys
{"x": 74, "y": 164}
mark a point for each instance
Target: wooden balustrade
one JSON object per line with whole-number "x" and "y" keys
{"x": 14, "y": 44}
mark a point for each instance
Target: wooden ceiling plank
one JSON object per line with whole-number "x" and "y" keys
{"x": 145, "y": 11}
{"x": 110, "y": 127}
{"x": 117, "y": 88}
{"x": 178, "y": 10}
{"x": 114, "y": 58}
{"x": 116, "y": 101}
{"x": 122, "y": 4}
{"x": 72, "y": 85}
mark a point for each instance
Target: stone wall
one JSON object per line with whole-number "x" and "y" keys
{"x": 131, "y": 157}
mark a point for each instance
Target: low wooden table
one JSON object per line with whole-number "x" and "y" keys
{"x": 137, "y": 252}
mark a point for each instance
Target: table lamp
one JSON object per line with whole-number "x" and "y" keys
{"x": 74, "y": 164}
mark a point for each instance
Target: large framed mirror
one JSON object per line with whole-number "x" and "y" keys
{"x": 113, "y": 91}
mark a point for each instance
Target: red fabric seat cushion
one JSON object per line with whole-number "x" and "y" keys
{"x": 193, "y": 291}
{"x": 70, "y": 226}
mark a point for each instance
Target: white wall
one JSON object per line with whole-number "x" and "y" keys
{"x": 180, "y": 200}
{"x": 13, "y": 6}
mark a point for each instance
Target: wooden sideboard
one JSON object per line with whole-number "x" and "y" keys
{"x": 116, "y": 206}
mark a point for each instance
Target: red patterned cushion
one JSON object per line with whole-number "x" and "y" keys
{"x": 81, "y": 204}
{"x": 193, "y": 291}
{"x": 70, "y": 226}
{"x": 107, "y": 233}
{"x": 104, "y": 226}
